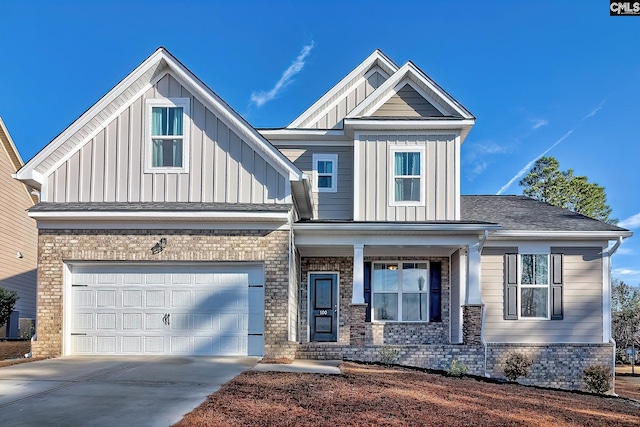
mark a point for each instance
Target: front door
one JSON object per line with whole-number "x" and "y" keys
{"x": 323, "y": 304}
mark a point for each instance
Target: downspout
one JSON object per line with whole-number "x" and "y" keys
{"x": 610, "y": 252}
{"x": 484, "y": 311}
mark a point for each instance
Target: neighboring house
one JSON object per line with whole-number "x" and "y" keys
{"x": 18, "y": 240}
{"x": 169, "y": 225}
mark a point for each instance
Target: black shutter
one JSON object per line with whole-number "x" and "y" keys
{"x": 435, "y": 292}
{"x": 556, "y": 287}
{"x": 511, "y": 287}
{"x": 367, "y": 289}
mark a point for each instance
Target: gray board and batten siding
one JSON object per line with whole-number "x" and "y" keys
{"x": 328, "y": 205}
{"x": 441, "y": 171}
{"x": 582, "y": 300}
{"x": 223, "y": 168}
{"x": 345, "y": 101}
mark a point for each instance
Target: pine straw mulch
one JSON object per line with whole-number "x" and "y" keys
{"x": 369, "y": 395}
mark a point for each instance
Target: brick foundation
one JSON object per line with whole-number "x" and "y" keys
{"x": 57, "y": 247}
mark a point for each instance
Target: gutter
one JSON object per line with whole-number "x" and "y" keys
{"x": 615, "y": 247}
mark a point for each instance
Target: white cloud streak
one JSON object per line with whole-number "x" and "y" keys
{"x": 539, "y": 123}
{"x": 631, "y": 222}
{"x": 260, "y": 98}
{"x": 528, "y": 166}
{"x": 625, "y": 272}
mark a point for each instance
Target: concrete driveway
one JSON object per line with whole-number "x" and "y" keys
{"x": 109, "y": 391}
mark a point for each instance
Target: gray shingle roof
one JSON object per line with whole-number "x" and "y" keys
{"x": 159, "y": 206}
{"x": 524, "y": 213}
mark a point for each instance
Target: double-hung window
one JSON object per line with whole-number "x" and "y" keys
{"x": 407, "y": 176}
{"x": 325, "y": 172}
{"x": 533, "y": 286}
{"x": 400, "y": 291}
{"x": 168, "y": 130}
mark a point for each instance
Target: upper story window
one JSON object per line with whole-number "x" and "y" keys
{"x": 167, "y": 145}
{"x": 407, "y": 176}
{"x": 325, "y": 172}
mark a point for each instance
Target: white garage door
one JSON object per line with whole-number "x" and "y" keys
{"x": 179, "y": 310}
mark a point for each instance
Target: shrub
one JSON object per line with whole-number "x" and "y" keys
{"x": 388, "y": 355}
{"x": 597, "y": 378}
{"x": 517, "y": 365}
{"x": 7, "y": 302}
{"x": 457, "y": 369}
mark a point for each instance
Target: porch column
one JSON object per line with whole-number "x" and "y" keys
{"x": 474, "y": 276}
{"x": 357, "y": 308}
{"x": 358, "y": 274}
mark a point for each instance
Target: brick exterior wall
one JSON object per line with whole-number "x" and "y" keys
{"x": 472, "y": 324}
{"x": 55, "y": 247}
{"x": 554, "y": 365}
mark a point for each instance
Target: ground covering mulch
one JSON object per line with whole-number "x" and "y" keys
{"x": 371, "y": 395}
{"x": 14, "y": 349}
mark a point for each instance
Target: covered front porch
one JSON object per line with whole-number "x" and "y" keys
{"x": 366, "y": 285}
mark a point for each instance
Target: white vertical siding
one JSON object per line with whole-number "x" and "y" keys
{"x": 582, "y": 300}
{"x": 222, "y": 166}
{"x": 374, "y": 189}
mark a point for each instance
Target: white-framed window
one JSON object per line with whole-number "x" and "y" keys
{"x": 533, "y": 286}
{"x": 400, "y": 291}
{"x": 407, "y": 176}
{"x": 325, "y": 172}
{"x": 167, "y": 139}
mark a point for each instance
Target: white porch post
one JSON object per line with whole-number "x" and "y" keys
{"x": 474, "y": 276}
{"x": 358, "y": 274}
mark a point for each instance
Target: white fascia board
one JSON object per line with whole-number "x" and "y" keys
{"x": 364, "y": 124}
{"x": 344, "y": 239}
{"x": 377, "y": 227}
{"x": 26, "y": 172}
{"x": 551, "y": 235}
{"x": 158, "y": 225}
{"x": 252, "y": 137}
{"x": 158, "y": 215}
{"x": 376, "y": 57}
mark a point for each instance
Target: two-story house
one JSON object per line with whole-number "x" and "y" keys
{"x": 169, "y": 225}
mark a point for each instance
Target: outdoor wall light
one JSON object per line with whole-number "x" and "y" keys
{"x": 159, "y": 247}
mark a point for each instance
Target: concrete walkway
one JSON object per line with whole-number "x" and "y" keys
{"x": 110, "y": 391}
{"x": 302, "y": 366}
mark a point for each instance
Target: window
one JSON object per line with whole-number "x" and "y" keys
{"x": 325, "y": 172}
{"x": 400, "y": 291}
{"x": 533, "y": 286}
{"x": 168, "y": 132}
{"x": 407, "y": 182}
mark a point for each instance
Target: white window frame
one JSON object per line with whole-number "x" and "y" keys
{"x": 323, "y": 157}
{"x": 426, "y": 291}
{"x": 546, "y": 286}
{"x": 185, "y": 103}
{"x": 392, "y": 175}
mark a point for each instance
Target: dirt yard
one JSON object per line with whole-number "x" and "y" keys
{"x": 366, "y": 395}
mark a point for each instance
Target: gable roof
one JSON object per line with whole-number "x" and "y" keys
{"x": 14, "y": 157}
{"x": 523, "y": 214}
{"x": 376, "y": 59}
{"x": 123, "y": 95}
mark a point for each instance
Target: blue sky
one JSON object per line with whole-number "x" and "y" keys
{"x": 556, "y": 75}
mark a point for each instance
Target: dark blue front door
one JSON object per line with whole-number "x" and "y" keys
{"x": 323, "y": 291}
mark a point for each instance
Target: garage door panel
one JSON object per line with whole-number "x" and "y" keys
{"x": 171, "y": 310}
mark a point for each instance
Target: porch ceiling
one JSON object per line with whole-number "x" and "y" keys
{"x": 377, "y": 250}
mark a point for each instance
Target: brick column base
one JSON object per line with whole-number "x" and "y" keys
{"x": 357, "y": 317}
{"x": 472, "y": 324}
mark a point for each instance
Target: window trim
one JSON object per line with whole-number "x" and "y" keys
{"x": 546, "y": 286}
{"x": 426, "y": 291}
{"x": 393, "y": 149}
{"x": 185, "y": 103}
{"x": 325, "y": 157}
